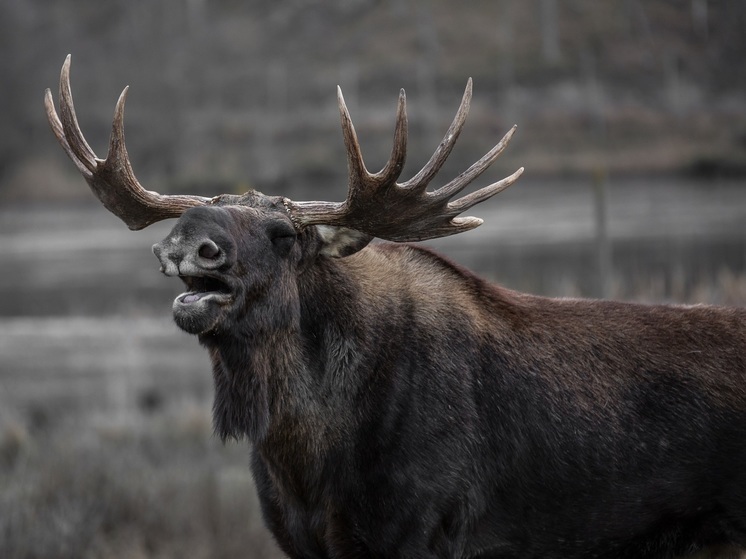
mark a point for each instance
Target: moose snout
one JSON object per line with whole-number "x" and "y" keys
{"x": 185, "y": 257}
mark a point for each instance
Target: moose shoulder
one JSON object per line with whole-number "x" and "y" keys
{"x": 400, "y": 406}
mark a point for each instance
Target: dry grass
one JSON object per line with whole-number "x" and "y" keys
{"x": 165, "y": 491}
{"x": 724, "y": 288}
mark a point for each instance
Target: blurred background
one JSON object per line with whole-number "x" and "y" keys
{"x": 632, "y": 129}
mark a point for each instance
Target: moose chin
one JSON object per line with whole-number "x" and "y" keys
{"x": 397, "y": 405}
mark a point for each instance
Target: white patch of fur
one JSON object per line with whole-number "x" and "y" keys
{"x": 340, "y": 241}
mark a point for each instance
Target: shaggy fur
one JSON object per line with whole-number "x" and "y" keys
{"x": 399, "y": 406}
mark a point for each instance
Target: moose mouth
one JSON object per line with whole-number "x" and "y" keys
{"x": 203, "y": 288}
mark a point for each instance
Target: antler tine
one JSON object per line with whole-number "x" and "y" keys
{"x": 111, "y": 180}
{"x": 465, "y": 178}
{"x": 355, "y": 163}
{"x": 466, "y": 202}
{"x": 116, "y": 157}
{"x": 422, "y": 179}
{"x": 57, "y": 128}
{"x": 395, "y": 164}
{"x": 74, "y": 136}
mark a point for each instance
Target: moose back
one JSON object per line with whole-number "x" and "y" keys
{"x": 400, "y": 406}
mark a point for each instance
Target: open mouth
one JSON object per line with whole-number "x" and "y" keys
{"x": 200, "y": 288}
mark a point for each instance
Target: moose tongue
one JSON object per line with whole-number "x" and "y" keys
{"x": 192, "y": 297}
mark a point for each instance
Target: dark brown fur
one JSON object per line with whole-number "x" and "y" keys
{"x": 400, "y": 406}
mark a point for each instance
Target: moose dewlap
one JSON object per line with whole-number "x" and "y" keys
{"x": 400, "y": 406}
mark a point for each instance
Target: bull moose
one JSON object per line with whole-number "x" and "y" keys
{"x": 398, "y": 405}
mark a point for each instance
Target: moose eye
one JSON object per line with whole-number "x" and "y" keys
{"x": 282, "y": 235}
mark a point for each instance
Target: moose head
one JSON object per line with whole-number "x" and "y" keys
{"x": 234, "y": 252}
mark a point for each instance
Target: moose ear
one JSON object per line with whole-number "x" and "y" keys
{"x": 338, "y": 242}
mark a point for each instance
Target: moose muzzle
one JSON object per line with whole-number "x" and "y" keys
{"x": 181, "y": 257}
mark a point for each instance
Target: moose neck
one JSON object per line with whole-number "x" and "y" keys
{"x": 248, "y": 358}
{"x": 273, "y": 380}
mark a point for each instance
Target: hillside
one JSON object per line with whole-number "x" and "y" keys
{"x": 226, "y": 95}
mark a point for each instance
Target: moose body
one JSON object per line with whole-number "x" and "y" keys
{"x": 400, "y": 406}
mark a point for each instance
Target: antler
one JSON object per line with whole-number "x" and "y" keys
{"x": 111, "y": 179}
{"x": 376, "y": 204}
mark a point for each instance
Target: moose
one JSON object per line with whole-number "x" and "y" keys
{"x": 397, "y": 405}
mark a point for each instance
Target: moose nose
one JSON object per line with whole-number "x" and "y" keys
{"x": 169, "y": 259}
{"x": 209, "y": 251}
{"x": 180, "y": 256}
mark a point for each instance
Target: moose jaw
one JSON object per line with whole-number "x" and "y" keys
{"x": 400, "y": 406}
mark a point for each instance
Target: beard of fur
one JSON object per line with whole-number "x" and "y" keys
{"x": 249, "y": 360}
